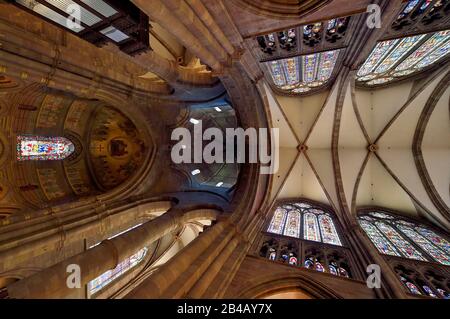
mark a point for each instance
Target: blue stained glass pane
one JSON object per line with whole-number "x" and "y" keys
{"x": 425, "y": 5}
{"x": 410, "y": 7}
{"x": 333, "y": 270}
{"x": 443, "y": 293}
{"x": 429, "y": 291}
{"x": 319, "y": 267}
{"x": 309, "y": 264}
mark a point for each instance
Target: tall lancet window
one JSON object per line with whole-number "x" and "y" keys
{"x": 42, "y": 148}
{"x": 399, "y": 237}
{"x": 304, "y": 221}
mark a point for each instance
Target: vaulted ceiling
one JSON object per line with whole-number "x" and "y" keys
{"x": 376, "y": 141}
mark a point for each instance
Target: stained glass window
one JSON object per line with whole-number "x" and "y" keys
{"x": 107, "y": 277}
{"x": 435, "y": 239}
{"x": 292, "y": 228}
{"x": 42, "y": 148}
{"x": 303, "y": 220}
{"x": 393, "y": 59}
{"x": 293, "y": 260}
{"x": 309, "y": 263}
{"x": 333, "y": 270}
{"x": 404, "y": 246}
{"x": 425, "y": 244}
{"x": 383, "y": 245}
{"x": 409, "y": 8}
{"x": 329, "y": 233}
{"x": 319, "y": 267}
{"x": 311, "y": 227}
{"x": 301, "y": 74}
{"x": 443, "y": 293}
{"x": 343, "y": 272}
{"x": 412, "y": 288}
{"x": 377, "y": 55}
{"x": 290, "y": 68}
{"x": 398, "y": 237}
{"x": 278, "y": 220}
{"x": 429, "y": 291}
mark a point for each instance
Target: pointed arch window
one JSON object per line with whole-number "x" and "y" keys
{"x": 394, "y": 59}
{"x": 396, "y": 236}
{"x": 311, "y": 227}
{"x": 304, "y": 221}
{"x": 43, "y": 148}
{"x": 278, "y": 220}
{"x": 303, "y": 73}
{"x": 292, "y": 227}
{"x": 329, "y": 233}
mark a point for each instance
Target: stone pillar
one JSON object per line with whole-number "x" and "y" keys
{"x": 52, "y": 282}
{"x": 175, "y": 278}
{"x": 160, "y": 13}
{"x": 366, "y": 254}
{"x": 203, "y": 269}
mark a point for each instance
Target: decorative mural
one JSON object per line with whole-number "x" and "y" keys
{"x": 51, "y": 183}
{"x": 78, "y": 114}
{"x": 116, "y": 148}
{"x": 52, "y": 111}
{"x": 78, "y": 178}
{"x": 67, "y": 147}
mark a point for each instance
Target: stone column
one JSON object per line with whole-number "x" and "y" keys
{"x": 366, "y": 254}
{"x": 52, "y": 282}
{"x": 160, "y": 13}
{"x": 204, "y": 268}
{"x": 175, "y": 278}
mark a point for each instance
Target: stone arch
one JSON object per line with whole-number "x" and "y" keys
{"x": 138, "y": 119}
{"x": 282, "y": 9}
{"x": 266, "y": 285}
